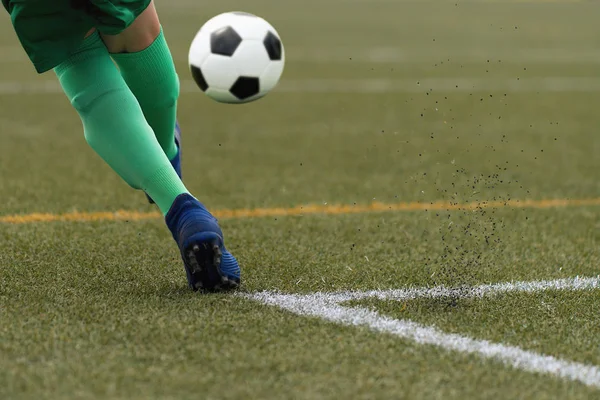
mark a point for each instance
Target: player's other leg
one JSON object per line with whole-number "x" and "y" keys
{"x": 146, "y": 64}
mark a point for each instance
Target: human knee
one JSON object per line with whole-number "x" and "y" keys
{"x": 85, "y": 75}
{"x": 138, "y": 36}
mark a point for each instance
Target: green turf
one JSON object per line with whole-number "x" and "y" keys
{"x": 111, "y": 315}
{"x": 101, "y": 310}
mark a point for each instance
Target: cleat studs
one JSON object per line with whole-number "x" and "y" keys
{"x": 203, "y": 262}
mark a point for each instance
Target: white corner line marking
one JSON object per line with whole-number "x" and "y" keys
{"x": 576, "y": 283}
{"x": 327, "y": 306}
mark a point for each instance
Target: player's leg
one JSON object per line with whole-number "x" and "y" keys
{"x": 144, "y": 59}
{"x": 146, "y": 64}
{"x": 116, "y": 129}
{"x": 114, "y": 124}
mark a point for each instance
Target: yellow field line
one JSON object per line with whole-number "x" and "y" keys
{"x": 123, "y": 215}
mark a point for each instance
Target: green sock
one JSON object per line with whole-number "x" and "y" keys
{"x": 114, "y": 124}
{"x": 151, "y": 76}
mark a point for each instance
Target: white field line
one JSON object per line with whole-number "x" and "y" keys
{"x": 492, "y": 58}
{"x": 532, "y": 85}
{"x": 470, "y": 85}
{"x": 367, "y": 53}
{"x": 573, "y": 284}
{"x": 327, "y": 307}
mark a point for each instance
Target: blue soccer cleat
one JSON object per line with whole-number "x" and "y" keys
{"x": 208, "y": 265}
{"x": 176, "y": 162}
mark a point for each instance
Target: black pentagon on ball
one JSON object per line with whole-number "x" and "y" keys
{"x": 224, "y": 41}
{"x": 273, "y": 46}
{"x": 199, "y": 78}
{"x": 245, "y": 87}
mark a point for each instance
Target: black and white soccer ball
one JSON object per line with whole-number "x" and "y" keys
{"x": 236, "y": 57}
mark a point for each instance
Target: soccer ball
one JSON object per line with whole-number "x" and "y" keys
{"x": 236, "y": 57}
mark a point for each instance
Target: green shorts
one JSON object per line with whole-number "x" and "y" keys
{"x": 50, "y": 30}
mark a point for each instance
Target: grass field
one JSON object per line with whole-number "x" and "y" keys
{"x": 410, "y": 144}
